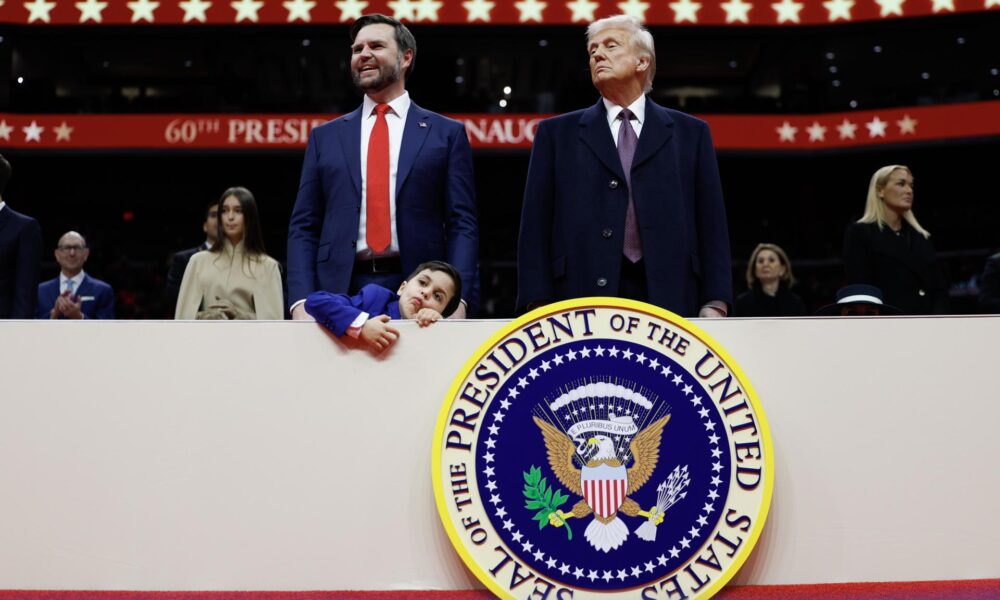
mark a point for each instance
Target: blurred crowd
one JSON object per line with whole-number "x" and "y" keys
{"x": 887, "y": 251}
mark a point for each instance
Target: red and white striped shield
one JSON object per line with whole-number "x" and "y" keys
{"x": 604, "y": 488}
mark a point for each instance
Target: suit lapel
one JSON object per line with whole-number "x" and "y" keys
{"x": 84, "y": 288}
{"x": 656, "y": 131}
{"x": 415, "y": 132}
{"x": 350, "y": 143}
{"x": 887, "y": 243}
{"x": 595, "y": 133}
{"x": 4, "y": 217}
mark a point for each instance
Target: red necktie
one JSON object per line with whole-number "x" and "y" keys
{"x": 377, "y": 229}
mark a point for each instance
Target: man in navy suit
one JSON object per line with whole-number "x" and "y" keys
{"x": 384, "y": 188}
{"x": 20, "y": 257}
{"x": 74, "y": 294}
{"x": 623, "y": 198}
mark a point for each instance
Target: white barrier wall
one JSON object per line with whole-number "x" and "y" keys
{"x": 268, "y": 456}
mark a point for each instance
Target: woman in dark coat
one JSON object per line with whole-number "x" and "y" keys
{"x": 769, "y": 277}
{"x": 889, "y": 249}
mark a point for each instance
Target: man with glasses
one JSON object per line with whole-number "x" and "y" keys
{"x": 74, "y": 294}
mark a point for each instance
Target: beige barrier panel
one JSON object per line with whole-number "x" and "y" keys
{"x": 268, "y": 456}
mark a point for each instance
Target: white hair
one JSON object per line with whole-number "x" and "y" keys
{"x": 639, "y": 37}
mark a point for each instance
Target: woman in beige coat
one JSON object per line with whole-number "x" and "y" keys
{"x": 235, "y": 278}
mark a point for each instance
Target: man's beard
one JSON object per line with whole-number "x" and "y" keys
{"x": 387, "y": 75}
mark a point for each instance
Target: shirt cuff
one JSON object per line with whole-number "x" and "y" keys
{"x": 718, "y": 305}
{"x": 354, "y": 329}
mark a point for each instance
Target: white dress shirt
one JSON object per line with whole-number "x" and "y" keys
{"x": 638, "y": 109}
{"x": 395, "y": 118}
{"x": 77, "y": 282}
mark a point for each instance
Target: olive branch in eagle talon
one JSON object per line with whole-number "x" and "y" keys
{"x": 547, "y": 499}
{"x": 606, "y": 532}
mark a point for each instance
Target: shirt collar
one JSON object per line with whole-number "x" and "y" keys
{"x": 638, "y": 109}
{"x": 77, "y": 279}
{"x": 400, "y": 106}
{"x": 2, "y": 204}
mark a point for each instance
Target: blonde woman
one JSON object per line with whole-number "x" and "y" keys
{"x": 889, "y": 249}
{"x": 235, "y": 278}
{"x": 769, "y": 277}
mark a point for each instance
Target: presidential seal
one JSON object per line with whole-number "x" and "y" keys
{"x": 602, "y": 447}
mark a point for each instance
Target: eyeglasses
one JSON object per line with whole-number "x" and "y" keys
{"x": 71, "y": 248}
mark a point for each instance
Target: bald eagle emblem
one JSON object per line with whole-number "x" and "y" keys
{"x": 602, "y": 442}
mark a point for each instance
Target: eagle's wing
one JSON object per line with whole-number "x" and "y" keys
{"x": 645, "y": 449}
{"x": 560, "y": 452}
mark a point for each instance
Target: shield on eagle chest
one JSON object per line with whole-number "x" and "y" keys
{"x": 604, "y": 488}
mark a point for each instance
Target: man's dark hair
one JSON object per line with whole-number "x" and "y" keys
{"x": 5, "y": 172}
{"x": 211, "y": 205}
{"x": 404, "y": 39}
{"x": 450, "y": 271}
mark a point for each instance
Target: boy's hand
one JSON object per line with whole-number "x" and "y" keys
{"x": 377, "y": 333}
{"x": 426, "y": 316}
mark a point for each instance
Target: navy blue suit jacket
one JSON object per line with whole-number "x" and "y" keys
{"x": 572, "y": 221}
{"x": 435, "y": 204}
{"x": 20, "y": 259}
{"x": 336, "y": 312}
{"x": 98, "y": 298}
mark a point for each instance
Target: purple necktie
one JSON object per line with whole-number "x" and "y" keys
{"x": 627, "y": 141}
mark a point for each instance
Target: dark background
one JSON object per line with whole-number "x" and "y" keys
{"x": 136, "y": 208}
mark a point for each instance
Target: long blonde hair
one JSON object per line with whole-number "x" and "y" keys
{"x": 875, "y": 207}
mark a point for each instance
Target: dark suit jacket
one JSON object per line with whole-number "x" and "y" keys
{"x": 755, "y": 303}
{"x": 902, "y": 266}
{"x": 98, "y": 298}
{"x": 178, "y": 263}
{"x": 336, "y": 312}
{"x": 573, "y": 218}
{"x": 989, "y": 286}
{"x": 20, "y": 260}
{"x": 435, "y": 204}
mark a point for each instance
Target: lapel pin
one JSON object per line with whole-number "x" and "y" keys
{"x": 423, "y": 124}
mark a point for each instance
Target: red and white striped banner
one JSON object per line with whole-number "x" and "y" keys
{"x": 493, "y": 131}
{"x": 474, "y": 12}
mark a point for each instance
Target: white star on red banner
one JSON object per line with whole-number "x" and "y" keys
{"x": 478, "y": 10}
{"x": 91, "y": 10}
{"x": 876, "y": 127}
{"x": 531, "y": 10}
{"x": 33, "y": 133}
{"x": 788, "y": 11}
{"x": 786, "y": 133}
{"x": 300, "y": 10}
{"x": 246, "y": 10}
{"x": 583, "y": 10}
{"x": 685, "y": 10}
{"x": 63, "y": 132}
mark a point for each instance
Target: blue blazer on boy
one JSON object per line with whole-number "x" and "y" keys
{"x": 336, "y": 312}
{"x": 98, "y": 299}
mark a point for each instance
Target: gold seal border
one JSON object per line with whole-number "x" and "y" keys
{"x": 764, "y": 429}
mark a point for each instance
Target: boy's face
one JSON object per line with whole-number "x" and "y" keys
{"x": 428, "y": 289}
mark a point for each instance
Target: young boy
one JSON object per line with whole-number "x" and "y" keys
{"x": 433, "y": 290}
